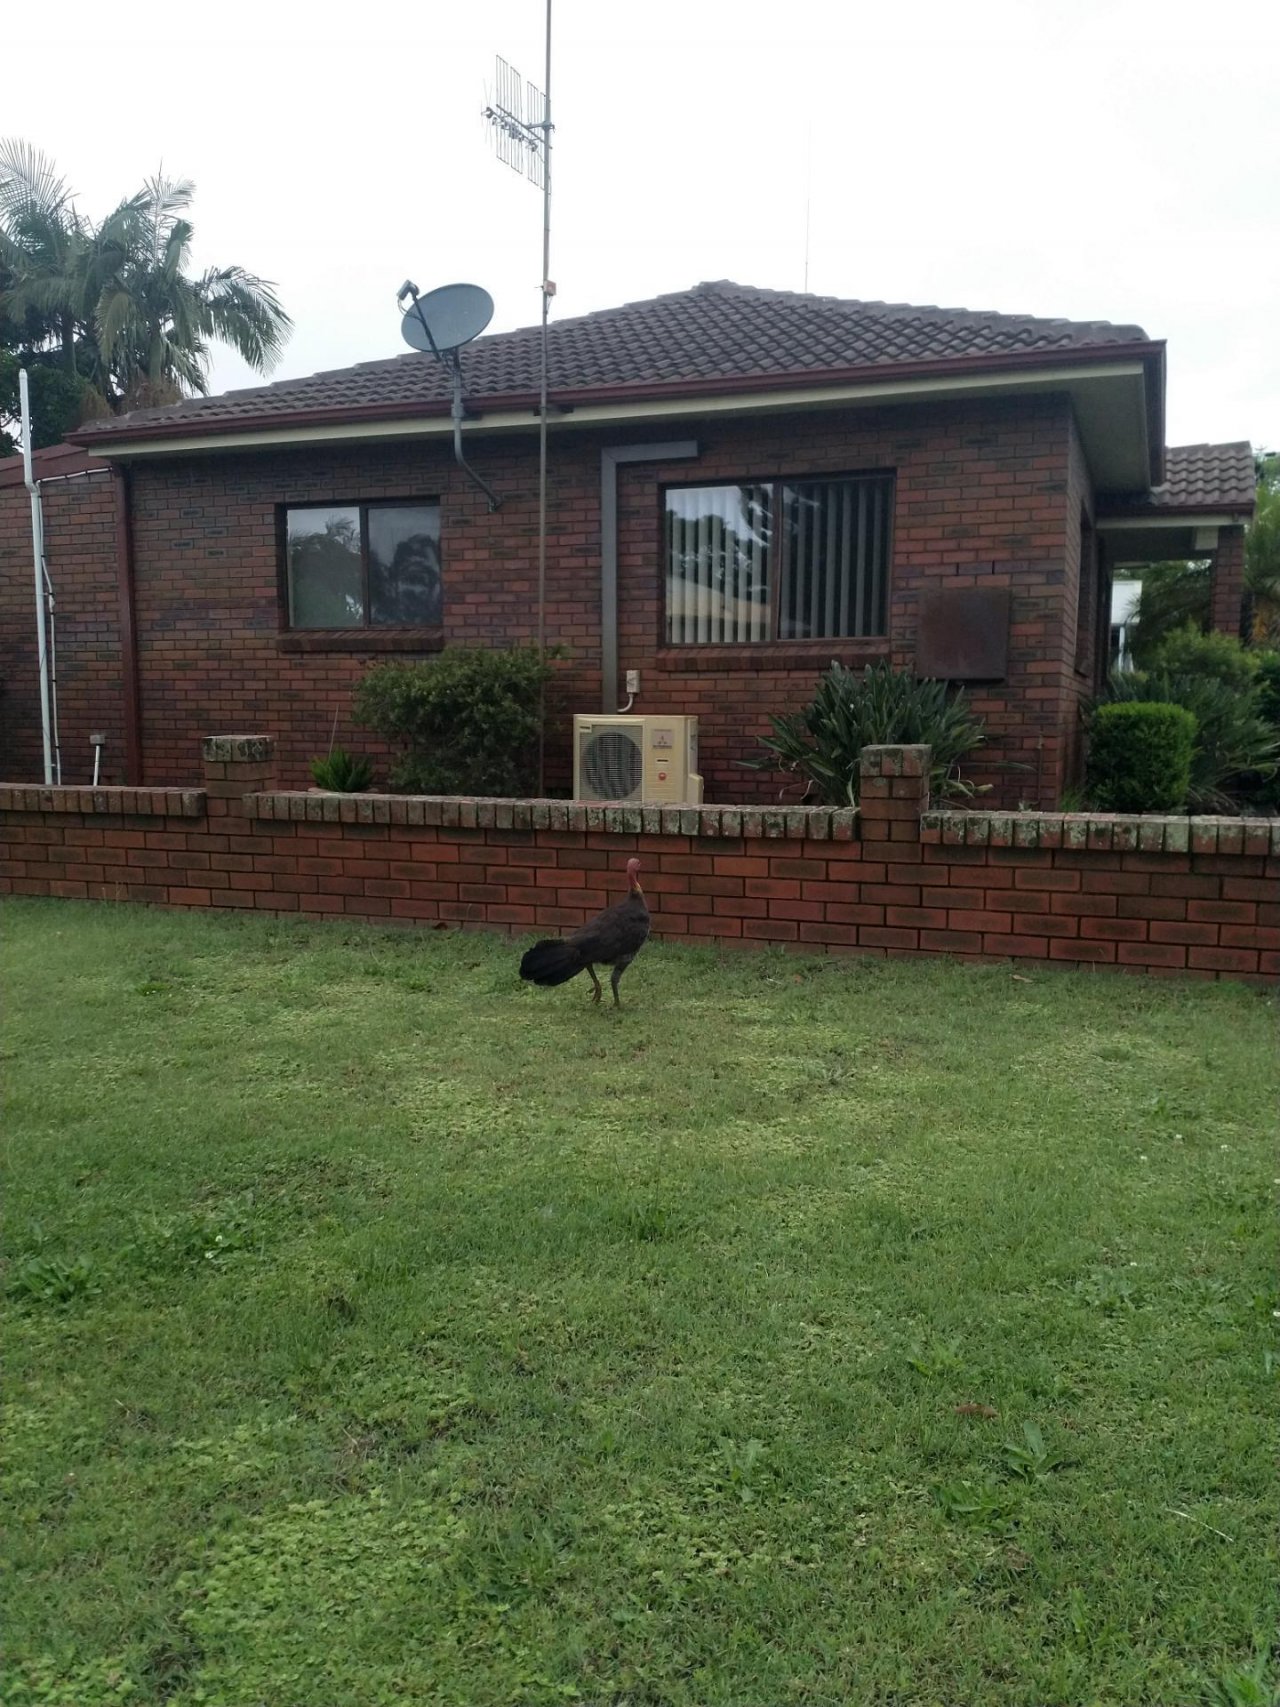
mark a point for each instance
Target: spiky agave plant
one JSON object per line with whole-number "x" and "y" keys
{"x": 872, "y": 707}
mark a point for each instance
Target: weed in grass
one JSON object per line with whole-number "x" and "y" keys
{"x": 983, "y": 1504}
{"x": 1249, "y": 1685}
{"x": 1109, "y": 1290}
{"x": 44, "y": 1278}
{"x": 649, "y": 1222}
{"x": 740, "y": 1461}
{"x": 1029, "y": 1457}
{"x": 935, "y": 1359}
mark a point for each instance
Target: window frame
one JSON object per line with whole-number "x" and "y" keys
{"x": 368, "y": 636}
{"x": 780, "y": 552}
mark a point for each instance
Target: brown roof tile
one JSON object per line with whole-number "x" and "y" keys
{"x": 1198, "y": 478}
{"x": 51, "y": 464}
{"x": 716, "y": 332}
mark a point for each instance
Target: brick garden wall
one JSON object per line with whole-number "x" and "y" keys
{"x": 987, "y": 493}
{"x": 1197, "y": 897}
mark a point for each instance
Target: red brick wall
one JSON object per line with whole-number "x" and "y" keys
{"x": 1084, "y": 639}
{"x": 1198, "y": 897}
{"x": 1228, "y": 581}
{"x": 986, "y": 494}
{"x": 981, "y": 499}
{"x": 79, "y": 517}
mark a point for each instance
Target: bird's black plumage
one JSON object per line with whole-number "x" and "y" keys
{"x": 613, "y": 938}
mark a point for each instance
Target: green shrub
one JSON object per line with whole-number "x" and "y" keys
{"x": 1173, "y": 594}
{"x": 1262, "y": 791}
{"x": 1268, "y": 684}
{"x": 853, "y": 709}
{"x": 1140, "y": 756}
{"x": 1189, "y": 651}
{"x": 343, "y": 772}
{"x": 464, "y": 723}
{"x": 1235, "y": 748}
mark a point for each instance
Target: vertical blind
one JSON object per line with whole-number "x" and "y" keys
{"x": 718, "y": 540}
{"x": 817, "y": 550}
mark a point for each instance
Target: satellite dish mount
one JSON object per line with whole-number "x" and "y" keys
{"x": 440, "y": 323}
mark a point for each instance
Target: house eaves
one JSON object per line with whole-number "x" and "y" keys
{"x": 1116, "y": 390}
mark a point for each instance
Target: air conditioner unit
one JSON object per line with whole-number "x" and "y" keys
{"x": 637, "y": 758}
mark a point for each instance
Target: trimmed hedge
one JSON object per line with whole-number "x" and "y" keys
{"x": 1140, "y": 756}
{"x": 464, "y": 723}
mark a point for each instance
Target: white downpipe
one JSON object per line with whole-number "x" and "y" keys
{"x": 37, "y": 543}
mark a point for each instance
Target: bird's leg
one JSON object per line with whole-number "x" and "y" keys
{"x": 596, "y": 992}
{"x": 618, "y": 970}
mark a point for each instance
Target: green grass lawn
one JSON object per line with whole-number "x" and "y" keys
{"x": 381, "y": 1330}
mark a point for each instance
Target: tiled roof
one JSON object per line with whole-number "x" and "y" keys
{"x": 1199, "y": 478}
{"x": 1207, "y": 477}
{"x": 58, "y": 460}
{"x": 717, "y": 332}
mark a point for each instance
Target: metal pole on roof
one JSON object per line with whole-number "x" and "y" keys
{"x": 520, "y": 120}
{"x": 547, "y": 290}
{"x": 37, "y": 545}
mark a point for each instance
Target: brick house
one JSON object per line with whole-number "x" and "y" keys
{"x": 744, "y": 485}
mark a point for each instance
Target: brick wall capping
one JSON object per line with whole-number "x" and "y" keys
{"x": 464, "y": 812}
{"x": 104, "y": 802}
{"x": 906, "y": 760}
{"x": 1103, "y": 832}
{"x": 237, "y": 749}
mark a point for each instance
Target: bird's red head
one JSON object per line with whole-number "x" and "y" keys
{"x": 633, "y": 875}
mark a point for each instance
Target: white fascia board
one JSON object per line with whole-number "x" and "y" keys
{"x": 1180, "y": 519}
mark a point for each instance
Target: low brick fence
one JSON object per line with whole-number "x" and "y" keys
{"x": 1195, "y": 896}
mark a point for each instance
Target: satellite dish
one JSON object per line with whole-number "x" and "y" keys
{"x": 455, "y": 314}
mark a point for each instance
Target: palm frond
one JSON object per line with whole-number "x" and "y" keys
{"x": 29, "y": 179}
{"x": 245, "y": 312}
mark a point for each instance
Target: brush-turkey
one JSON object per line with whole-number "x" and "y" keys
{"x": 613, "y": 938}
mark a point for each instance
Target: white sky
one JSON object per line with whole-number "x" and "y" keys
{"x": 1098, "y": 159}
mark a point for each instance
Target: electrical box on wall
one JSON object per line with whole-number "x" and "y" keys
{"x": 963, "y": 634}
{"x": 653, "y": 758}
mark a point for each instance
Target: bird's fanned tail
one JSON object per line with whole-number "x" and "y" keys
{"x": 551, "y": 962}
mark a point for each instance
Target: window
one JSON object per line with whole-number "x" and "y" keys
{"x": 364, "y": 566}
{"x": 778, "y": 560}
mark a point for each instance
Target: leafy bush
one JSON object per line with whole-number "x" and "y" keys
{"x": 1189, "y": 651}
{"x": 465, "y": 723}
{"x": 1173, "y": 594}
{"x": 1268, "y": 685}
{"x": 853, "y": 709}
{"x": 1261, "y": 791}
{"x": 343, "y": 772}
{"x": 1140, "y": 756}
{"x": 1235, "y": 748}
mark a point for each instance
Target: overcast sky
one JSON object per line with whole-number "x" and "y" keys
{"x": 1098, "y": 159}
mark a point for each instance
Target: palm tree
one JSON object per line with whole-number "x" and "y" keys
{"x": 43, "y": 248}
{"x": 154, "y": 321}
{"x": 116, "y": 298}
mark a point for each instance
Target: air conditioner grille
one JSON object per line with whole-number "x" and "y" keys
{"x": 612, "y": 765}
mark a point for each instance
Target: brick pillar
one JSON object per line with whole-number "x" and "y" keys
{"x": 236, "y": 765}
{"x": 893, "y": 792}
{"x": 1228, "y": 581}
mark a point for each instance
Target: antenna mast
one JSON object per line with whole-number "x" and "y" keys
{"x": 520, "y": 119}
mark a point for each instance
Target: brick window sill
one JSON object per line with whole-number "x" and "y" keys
{"x": 361, "y": 640}
{"x": 771, "y": 655}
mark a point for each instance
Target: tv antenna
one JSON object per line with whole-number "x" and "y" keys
{"x": 441, "y": 322}
{"x": 519, "y": 117}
